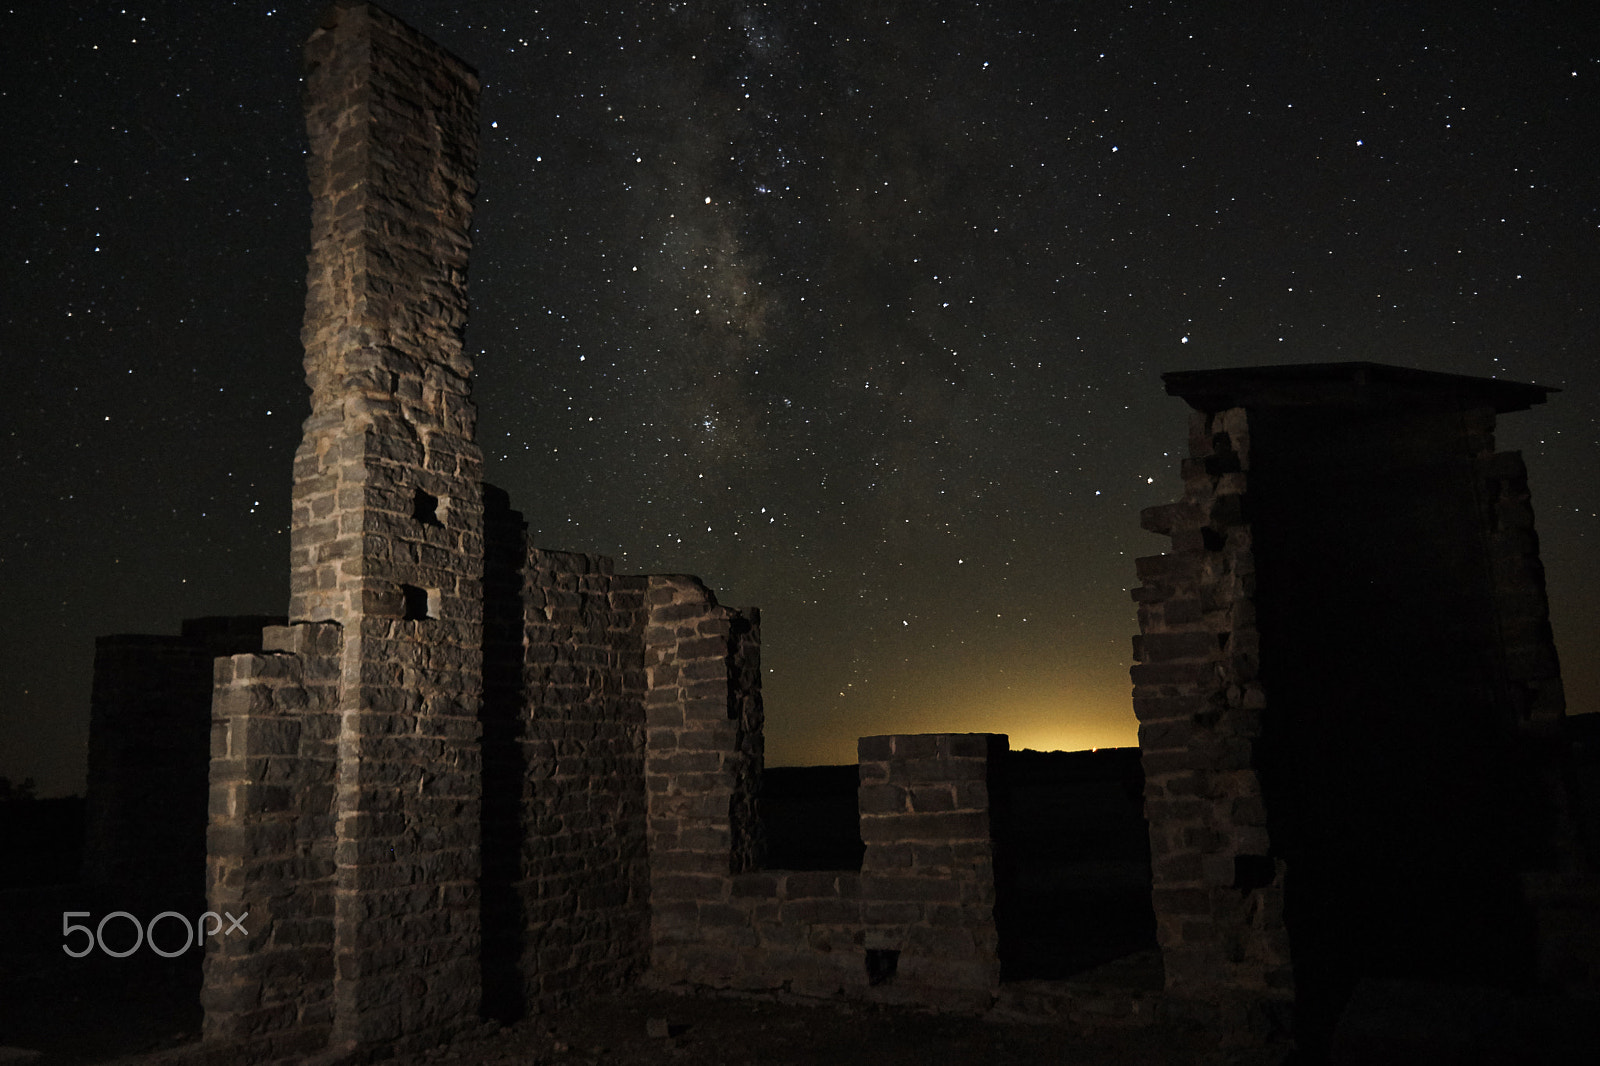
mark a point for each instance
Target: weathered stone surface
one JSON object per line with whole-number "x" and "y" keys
{"x": 926, "y": 890}
{"x": 1349, "y": 553}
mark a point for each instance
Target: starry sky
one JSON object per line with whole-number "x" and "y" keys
{"x": 856, "y": 309}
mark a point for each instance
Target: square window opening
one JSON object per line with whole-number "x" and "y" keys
{"x": 420, "y": 604}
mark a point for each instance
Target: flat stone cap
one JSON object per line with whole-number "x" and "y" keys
{"x": 1364, "y": 385}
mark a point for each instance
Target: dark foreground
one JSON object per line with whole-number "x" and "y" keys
{"x": 146, "y": 1019}
{"x": 709, "y": 1029}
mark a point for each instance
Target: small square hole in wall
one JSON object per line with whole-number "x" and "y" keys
{"x": 425, "y": 508}
{"x": 420, "y": 603}
{"x": 881, "y": 965}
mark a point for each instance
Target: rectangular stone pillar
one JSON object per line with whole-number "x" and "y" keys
{"x": 1349, "y": 702}
{"x": 703, "y": 756}
{"x": 274, "y": 749}
{"x": 1218, "y": 889}
{"x": 928, "y": 876}
{"x": 387, "y": 535}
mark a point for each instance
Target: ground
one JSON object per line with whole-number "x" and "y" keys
{"x": 137, "y": 1011}
{"x": 730, "y": 1031}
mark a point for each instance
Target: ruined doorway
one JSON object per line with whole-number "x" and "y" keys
{"x": 1072, "y": 862}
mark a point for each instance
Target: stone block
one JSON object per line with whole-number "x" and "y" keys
{"x": 687, "y": 886}
{"x": 976, "y": 745}
{"x": 1166, "y": 647}
{"x": 932, "y": 799}
{"x": 892, "y": 914}
{"x": 724, "y": 915}
{"x": 760, "y": 885}
{"x": 887, "y": 856}
{"x": 1156, "y": 735}
{"x": 811, "y": 885}
{"x": 909, "y": 747}
{"x": 1181, "y": 901}
{"x": 821, "y": 911}
{"x": 955, "y": 825}
{"x": 1184, "y": 867}
{"x": 1173, "y": 566}
{"x": 882, "y": 799}
{"x": 1173, "y": 673}
{"x": 878, "y": 748}
{"x": 872, "y": 772}
{"x": 943, "y": 941}
{"x": 1157, "y": 708}
{"x": 909, "y": 889}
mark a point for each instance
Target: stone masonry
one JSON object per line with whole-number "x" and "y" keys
{"x": 915, "y": 925}
{"x": 1217, "y": 889}
{"x": 566, "y": 904}
{"x": 1348, "y": 697}
{"x": 272, "y": 845}
{"x": 386, "y": 573}
{"x": 429, "y": 789}
{"x": 473, "y": 777}
{"x": 387, "y": 534}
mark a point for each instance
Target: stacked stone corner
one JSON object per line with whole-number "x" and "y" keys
{"x": 1197, "y": 693}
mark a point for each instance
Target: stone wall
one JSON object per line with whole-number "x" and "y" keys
{"x": 387, "y": 522}
{"x": 567, "y": 888}
{"x": 702, "y": 752}
{"x": 915, "y": 925}
{"x": 1348, "y": 696}
{"x": 149, "y": 731}
{"x": 1217, "y": 890}
{"x": 269, "y": 993}
{"x": 1563, "y": 882}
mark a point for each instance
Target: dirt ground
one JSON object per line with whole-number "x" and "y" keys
{"x": 143, "y": 1018}
{"x": 731, "y": 1031}
{"x": 77, "y": 1012}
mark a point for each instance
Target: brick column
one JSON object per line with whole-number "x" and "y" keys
{"x": 702, "y": 756}
{"x": 927, "y": 879}
{"x": 1218, "y": 895}
{"x": 387, "y": 535}
{"x": 269, "y": 989}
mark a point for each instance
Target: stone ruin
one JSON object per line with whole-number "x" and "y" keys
{"x": 1349, "y": 704}
{"x": 472, "y": 777}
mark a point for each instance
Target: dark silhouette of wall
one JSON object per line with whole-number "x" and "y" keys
{"x": 1350, "y": 706}
{"x": 149, "y": 739}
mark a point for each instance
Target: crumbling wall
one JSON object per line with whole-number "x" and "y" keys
{"x": 1217, "y": 889}
{"x": 387, "y": 535}
{"x": 702, "y": 764}
{"x": 1562, "y": 885}
{"x": 1349, "y": 701}
{"x": 915, "y": 925}
{"x": 269, "y": 985}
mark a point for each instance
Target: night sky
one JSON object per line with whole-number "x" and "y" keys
{"x": 855, "y": 309}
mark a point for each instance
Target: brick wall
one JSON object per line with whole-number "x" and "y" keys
{"x": 916, "y": 925}
{"x": 274, "y": 755}
{"x": 568, "y": 855}
{"x": 1218, "y": 893}
{"x": 1349, "y": 701}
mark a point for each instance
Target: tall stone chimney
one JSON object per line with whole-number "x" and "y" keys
{"x": 387, "y": 534}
